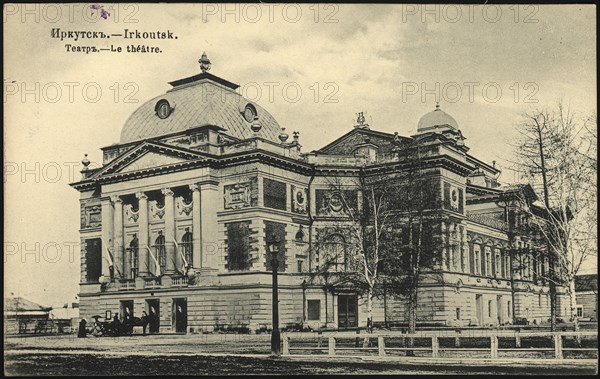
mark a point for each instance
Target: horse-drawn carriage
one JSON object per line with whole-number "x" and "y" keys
{"x": 116, "y": 328}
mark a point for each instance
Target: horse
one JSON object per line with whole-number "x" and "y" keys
{"x": 129, "y": 323}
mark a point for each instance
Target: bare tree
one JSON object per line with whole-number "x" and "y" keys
{"x": 388, "y": 231}
{"x": 351, "y": 249}
{"x": 554, "y": 155}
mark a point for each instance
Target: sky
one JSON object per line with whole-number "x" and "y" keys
{"x": 312, "y": 66}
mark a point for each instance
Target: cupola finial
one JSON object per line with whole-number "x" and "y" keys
{"x": 204, "y": 63}
{"x": 437, "y": 105}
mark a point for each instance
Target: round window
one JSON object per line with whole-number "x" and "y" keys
{"x": 163, "y": 109}
{"x": 249, "y": 113}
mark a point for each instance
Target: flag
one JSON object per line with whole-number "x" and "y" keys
{"x": 155, "y": 262}
{"x": 108, "y": 255}
{"x": 111, "y": 262}
{"x": 182, "y": 257}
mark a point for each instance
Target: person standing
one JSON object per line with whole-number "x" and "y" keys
{"x": 145, "y": 321}
{"x": 81, "y": 332}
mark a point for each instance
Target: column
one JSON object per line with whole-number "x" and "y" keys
{"x": 465, "y": 250}
{"x": 143, "y": 234}
{"x": 444, "y": 246}
{"x": 107, "y": 233}
{"x": 172, "y": 255}
{"x": 209, "y": 200}
{"x": 196, "y": 236}
{"x": 117, "y": 250}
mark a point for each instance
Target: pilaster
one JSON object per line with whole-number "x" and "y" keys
{"x": 143, "y": 231}
{"x": 107, "y": 233}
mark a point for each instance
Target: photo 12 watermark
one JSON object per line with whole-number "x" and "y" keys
{"x": 53, "y": 13}
{"x": 471, "y": 13}
{"x": 70, "y": 92}
{"x": 271, "y": 13}
{"x": 453, "y": 92}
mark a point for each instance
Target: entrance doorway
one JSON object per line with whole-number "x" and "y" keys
{"x": 479, "y": 309}
{"x": 126, "y": 310}
{"x": 347, "y": 311}
{"x": 153, "y": 311}
{"x": 179, "y": 313}
{"x": 499, "y": 309}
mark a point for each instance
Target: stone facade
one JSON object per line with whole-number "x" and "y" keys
{"x": 179, "y": 223}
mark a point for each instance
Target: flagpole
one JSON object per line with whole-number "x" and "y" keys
{"x": 155, "y": 261}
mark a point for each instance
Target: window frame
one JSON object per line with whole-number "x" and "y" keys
{"x": 160, "y": 250}
{"x": 309, "y": 315}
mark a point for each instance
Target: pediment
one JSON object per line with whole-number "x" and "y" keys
{"x": 148, "y": 155}
{"x": 346, "y": 144}
{"x": 150, "y": 160}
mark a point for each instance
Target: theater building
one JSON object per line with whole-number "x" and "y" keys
{"x": 176, "y": 220}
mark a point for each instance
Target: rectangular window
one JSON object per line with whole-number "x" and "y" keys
{"x": 314, "y": 310}
{"x": 274, "y": 194}
{"x": 489, "y": 308}
{"x": 133, "y": 262}
{"x": 93, "y": 259}
{"x": 238, "y": 246}
{"x": 509, "y": 308}
{"x": 458, "y": 313}
{"x": 471, "y": 259}
{"x": 580, "y": 311}
{"x": 275, "y": 230}
{"x": 300, "y": 265}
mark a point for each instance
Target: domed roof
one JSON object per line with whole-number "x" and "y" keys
{"x": 196, "y": 101}
{"x": 435, "y": 121}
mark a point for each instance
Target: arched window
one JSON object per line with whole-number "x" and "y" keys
{"x": 477, "y": 253}
{"x": 133, "y": 255}
{"x": 335, "y": 253}
{"x": 507, "y": 268}
{"x": 488, "y": 261}
{"x": 187, "y": 247}
{"x": 497, "y": 263}
{"x": 161, "y": 252}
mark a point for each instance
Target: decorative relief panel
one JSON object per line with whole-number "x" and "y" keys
{"x": 335, "y": 203}
{"x": 241, "y": 195}
{"x": 131, "y": 215}
{"x": 157, "y": 211}
{"x": 183, "y": 207}
{"x": 453, "y": 198}
{"x": 91, "y": 216}
{"x": 299, "y": 200}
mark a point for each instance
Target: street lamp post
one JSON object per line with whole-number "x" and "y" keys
{"x": 273, "y": 246}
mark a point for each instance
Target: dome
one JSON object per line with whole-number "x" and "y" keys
{"x": 196, "y": 101}
{"x": 436, "y": 121}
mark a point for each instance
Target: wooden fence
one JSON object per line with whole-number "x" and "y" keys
{"x": 327, "y": 344}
